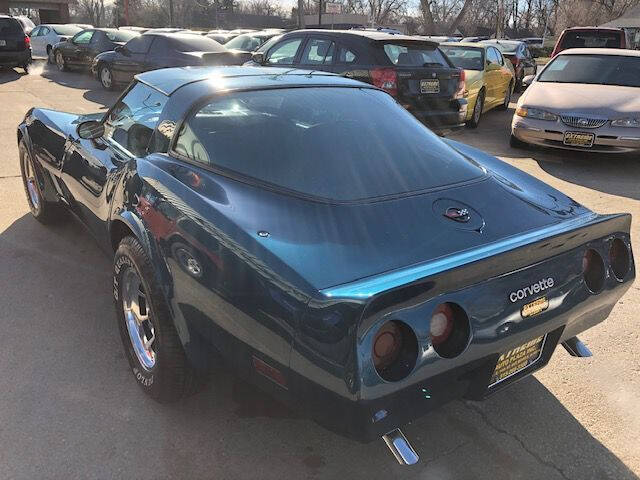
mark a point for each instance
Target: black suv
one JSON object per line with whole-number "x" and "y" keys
{"x": 15, "y": 45}
{"x": 415, "y": 71}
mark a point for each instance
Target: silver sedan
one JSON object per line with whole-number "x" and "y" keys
{"x": 584, "y": 99}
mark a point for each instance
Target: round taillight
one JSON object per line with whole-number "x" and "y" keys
{"x": 394, "y": 351}
{"x": 593, "y": 270}
{"x": 449, "y": 329}
{"x": 619, "y": 258}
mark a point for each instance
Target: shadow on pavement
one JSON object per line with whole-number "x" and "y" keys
{"x": 80, "y": 79}
{"x": 10, "y": 74}
{"x": 70, "y": 403}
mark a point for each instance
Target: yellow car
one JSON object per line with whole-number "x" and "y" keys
{"x": 489, "y": 77}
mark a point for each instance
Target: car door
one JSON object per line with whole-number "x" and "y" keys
{"x": 161, "y": 54}
{"x": 318, "y": 54}
{"x": 493, "y": 76}
{"x": 131, "y": 59}
{"x": 90, "y": 168}
{"x": 76, "y": 49}
{"x": 284, "y": 53}
{"x": 38, "y": 40}
{"x": 530, "y": 65}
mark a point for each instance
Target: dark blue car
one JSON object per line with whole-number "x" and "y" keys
{"x": 309, "y": 232}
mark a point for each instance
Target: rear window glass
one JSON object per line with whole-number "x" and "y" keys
{"x": 66, "y": 29}
{"x": 505, "y": 47}
{"x": 415, "y": 55}
{"x": 247, "y": 42}
{"x": 343, "y": 144}
{"x": 468, "y": 58}
{"x": 593, "y": 69}
{"x": 121, "y": 35}
{"x": 594, "y": 39}
{"x": 194, "y": 43}
{"x": 9, "y": 26}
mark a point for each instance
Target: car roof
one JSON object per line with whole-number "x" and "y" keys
{"x": 465, "y": 44}
{"x": 612, "y": 29}
{"x": 373, "y": 35}
{"x": 169, "y": 80}
{"x": 619, "y": 52}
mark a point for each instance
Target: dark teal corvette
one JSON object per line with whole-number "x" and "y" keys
{"x": 310, "y": 232}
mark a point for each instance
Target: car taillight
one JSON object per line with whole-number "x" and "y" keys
{"x": 27, "y": 42}
{"x": 461, "y": 88}
{"x": 394, "y": 351}
{"x": 449, "y": 330}
{"x": 619, "y": 258}
{"x": 386, "y": 79}
{"x": 593, "y": 270}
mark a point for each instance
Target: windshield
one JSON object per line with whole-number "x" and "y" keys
{"x": 247, "y": 42}
{"x": 591, "y": 39}
{"x": 594, "y": 69}
{"x": 66, "y": 29}
{"x": 120, "y": 35}
{"x": 343, "y": 144}
{"x": 468, "y": 58}
{"x": 194, "y": 43}
{"x": 415, "y": 54}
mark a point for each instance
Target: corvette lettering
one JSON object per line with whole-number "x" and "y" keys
{"x": 532, "y": 289}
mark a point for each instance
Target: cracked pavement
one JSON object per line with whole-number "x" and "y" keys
{"x": 69, "y": 407}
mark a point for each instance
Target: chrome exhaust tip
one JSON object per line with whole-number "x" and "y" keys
{"x": 576, "y": 348}
{"x": 400, "y": 447}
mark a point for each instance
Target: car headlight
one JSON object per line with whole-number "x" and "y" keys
{"x": 626, "y": 122}
{"x": 536, "y": 113}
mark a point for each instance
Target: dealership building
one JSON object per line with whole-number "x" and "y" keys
{"x": 50, "y": 11}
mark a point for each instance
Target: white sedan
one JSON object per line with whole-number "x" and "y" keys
{"x": 45, "y": 36}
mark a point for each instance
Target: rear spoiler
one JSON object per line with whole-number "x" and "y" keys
{"x": 406, "y": 42}
{"x": 499, "y": 257}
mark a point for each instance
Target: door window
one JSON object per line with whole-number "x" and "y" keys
{"x": 131, "y": 122}
{"x": 140, "y": 44}
{"x": 36, "y": 32}
{"x": 83, "y": 38}
{"x": 284, "y": 53}
{"x": 318, "y": 52}
{"x": 493, "y": 56}
{"x": 346, "y": 56}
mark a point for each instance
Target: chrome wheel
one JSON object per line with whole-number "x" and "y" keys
{"x": 105, "y": 77}
{"x": 137, "y": 315}
{"x": 60, "y": 61}
{"x": 477, "y": 109}
{"x": 30, "y": 182}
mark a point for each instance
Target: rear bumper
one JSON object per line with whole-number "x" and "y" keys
{"x": 15, "y": 59}
{"x": 497, "y": 326}
{"x": 551, "y": 134}
{"x": 438, "y": 116}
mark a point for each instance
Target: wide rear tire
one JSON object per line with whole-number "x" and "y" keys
{"x": 507, "y": 97}
{"x": 477, "y": 111}
{"x": 151, "y": 342}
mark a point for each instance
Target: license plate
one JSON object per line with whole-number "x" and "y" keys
{"x": 579, "y": 139}
{"x": 3, "y": 43}
{"x": 430, "y": 86}
{"x": 517, "y": 359}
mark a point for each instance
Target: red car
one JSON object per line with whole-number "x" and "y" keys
{"x": 591, "y": 37}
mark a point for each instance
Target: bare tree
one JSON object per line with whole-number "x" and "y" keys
{"x": 93, "y": 10}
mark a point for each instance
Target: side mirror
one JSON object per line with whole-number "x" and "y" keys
{"x": 528, "y": 80}
{"x": 258, "y": 57}
{"x": 90, "y": 130}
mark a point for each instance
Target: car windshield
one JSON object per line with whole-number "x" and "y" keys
{"x": 194, "y": 43}
{"x": 414, "y": 54}
{"x": 591, "y": 39}
{"x": 120, "y": 35}
{"x": 248, "y": 42}
{"x": 66, "y": 29}
{"x": 343, "y": 144}
{"x": 469, "y": 58}
{"x": 594, "y": 69}
{"x": 9, "y": 26}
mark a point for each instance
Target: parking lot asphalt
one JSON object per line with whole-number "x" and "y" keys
{"x": 70, "y": 408}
